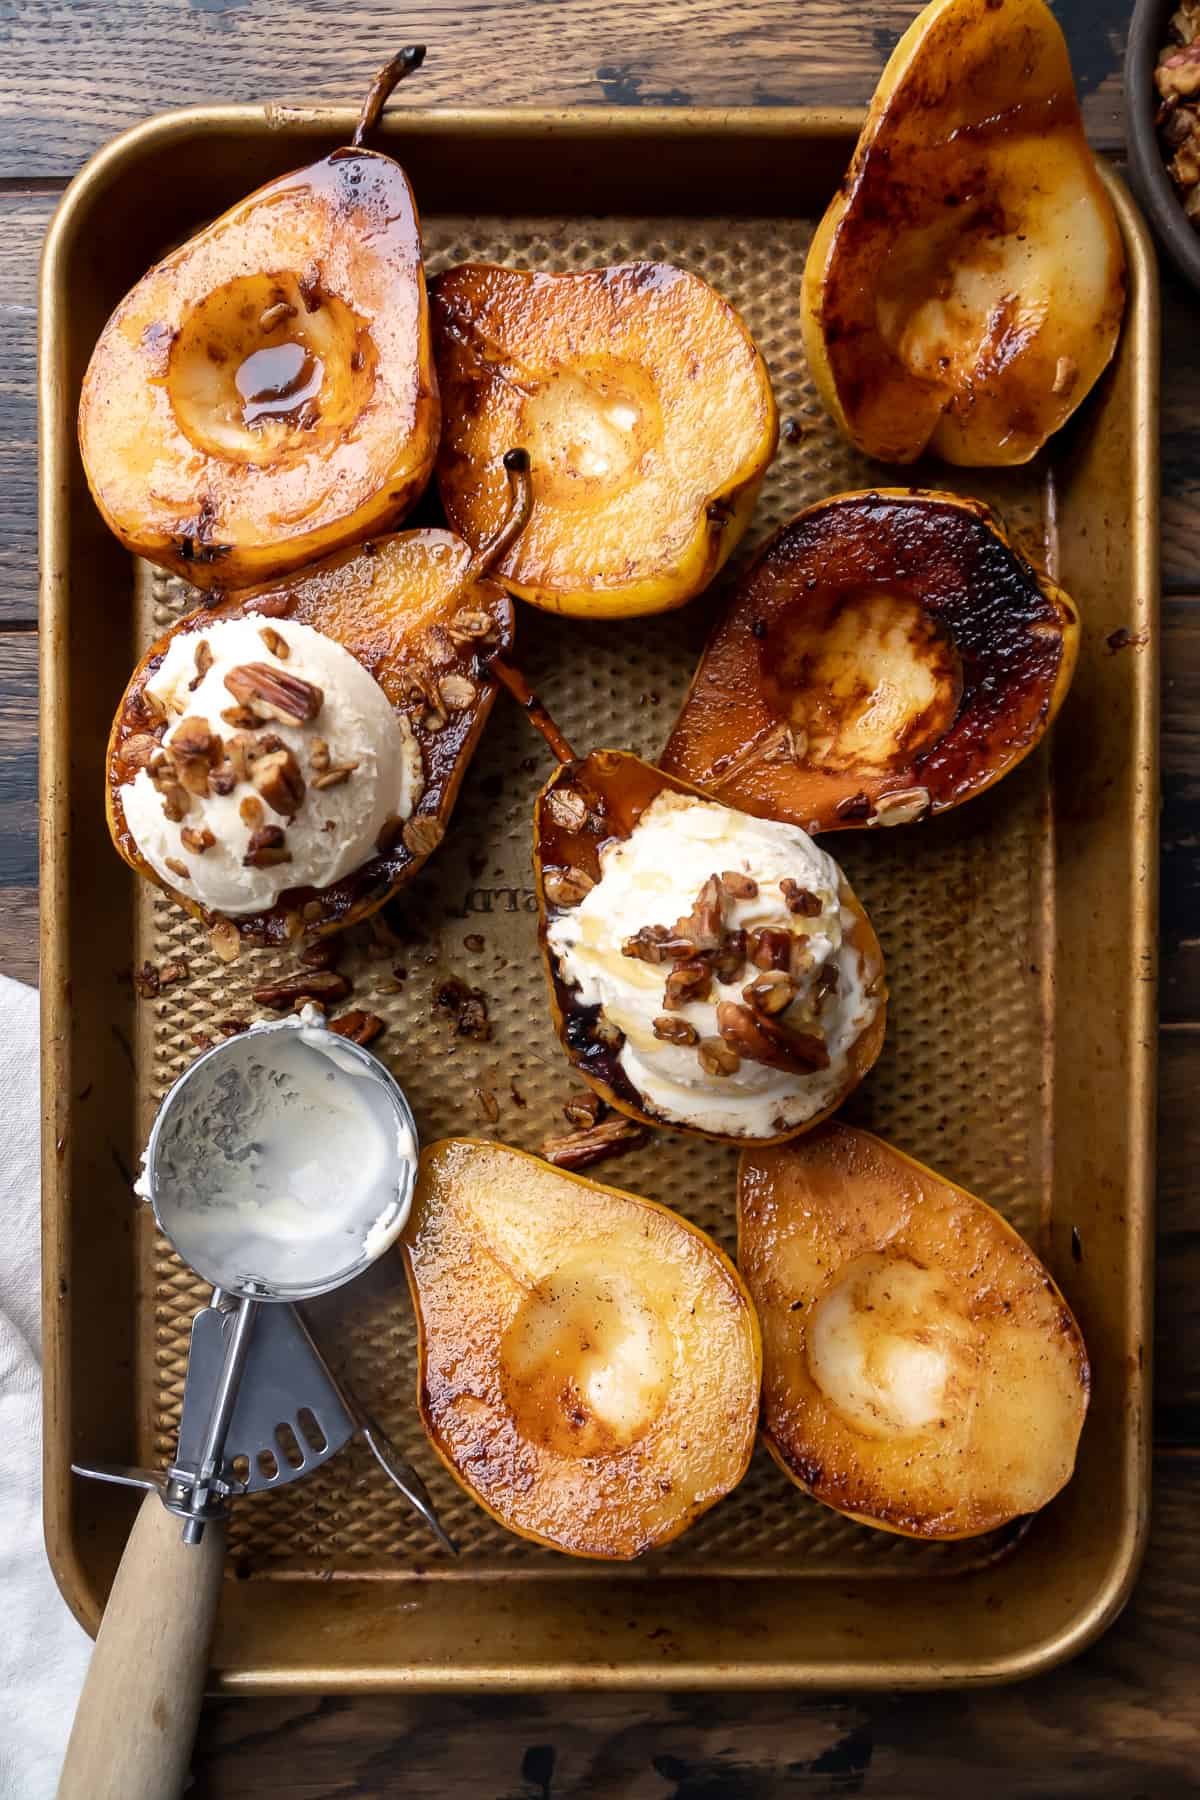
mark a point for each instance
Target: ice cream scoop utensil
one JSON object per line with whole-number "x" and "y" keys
{"x": 137, "y": 1715}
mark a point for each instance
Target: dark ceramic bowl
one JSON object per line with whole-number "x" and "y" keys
{"x": 1154, "y": 187}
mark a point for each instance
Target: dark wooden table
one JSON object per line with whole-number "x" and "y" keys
{"x": 1124, "y": 1719}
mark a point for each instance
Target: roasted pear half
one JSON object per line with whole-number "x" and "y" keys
{"x": 646, "y": 409}
{"x": 921, "y": 1371}
{"x": 707, "y": 971}
{"x": 412, "y": 611}
{"x": 266, "y": 394}
{"x": 589, "y": 1361}
{"x": 965, "y": 288}
{"x": 888, "y": 655}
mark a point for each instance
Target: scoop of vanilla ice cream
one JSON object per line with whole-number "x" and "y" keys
{"x": 335, "y": 828}
{"x": 653, "y": 877}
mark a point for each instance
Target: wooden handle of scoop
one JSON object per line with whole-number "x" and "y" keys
{"x": 136, "y": 1719}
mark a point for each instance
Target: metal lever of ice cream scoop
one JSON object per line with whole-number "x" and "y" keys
{"x": 398, "y": 1471}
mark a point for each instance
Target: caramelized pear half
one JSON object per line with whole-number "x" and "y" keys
{"x": 647, "y": 412}
{"x": 266, "y": 394}
{"x": 964, "y": 291}
{"x": 725, "y": 1058}
{"x": 410, "y": 609}
{"x": 921, "y": 1370}
{"x": 589, "y": 1361}
{"x": 888, "y": 655}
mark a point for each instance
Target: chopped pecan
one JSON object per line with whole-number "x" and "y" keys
{"x": 170, "y": 972}
{"x": 739, "y": 886}
{"x": 828, "y": 981}
{"x": 716, "y": 1057}
{"x": 606, "y": 1033}
{"x": 901, "y": 807}
{"x": 466, "y": 1005}
{"x": 147, "y": 981}
{"x": 308, "y": 984}
{"x": 770, "y": 992}
{"x": 176, "y": 801}
{"x": 688, "y": 981}
{"x": 242, "y": 718}
{"x": 177, "y": 868}
{"x": 194, "y": 750}
{"x": 488, "y": 1104}
{"x": 422, "y": 834}
{"x": 567, "y": 887}
{"x": 250, "y": 811}
{"x": 275, "y": 693}
{"x": 226, "y": 940}
{"x": 319, "y": 756}
{"x": 222, "y": 779}
{"x": 326, "y": 953}
{"x": 267, "y": 847}
{"x": 197, "y": 839}
{"x": 702, "y": 926}
{"x": 729, "y": 961}
{"x": 360, "y": 1027}
{"x": 567, "y": 808}
{"x": 204, "y": 662}
{"x": 457, "y": 692}
{"x": 799, "y": 900}
{"x": 675, "y": 1031}
{"x": 275, "y": 641}
{"x": 854, "y": 806}
{"x": 762, "y": 1039}
{"x": 278, "y": 779}
{"x": 657, "y": 944}
{"x": 468, "y": 627}
{"x": 581, "y": 1148}
{"x": 137, "y": 749}
{"x": 331, "y": 778}
{"x": 770, "y": 947}
{"x": 584, "y": 1109}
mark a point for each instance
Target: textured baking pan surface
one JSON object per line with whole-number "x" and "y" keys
{"x": 1015, "y": 932}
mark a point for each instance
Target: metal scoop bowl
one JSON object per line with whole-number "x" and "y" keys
{"x": 280, "y": 1166}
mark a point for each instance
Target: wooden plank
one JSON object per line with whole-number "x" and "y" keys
{"x": 24, "y": 217}
{"x": 1122, "y": 1720}
{"x": 18, "y": 763}
{"x": 1177, "y": 1241}
{"x": 1180, "y": 436}
{"x": 74, "y": 72}
{"x": 1180, "y": 823}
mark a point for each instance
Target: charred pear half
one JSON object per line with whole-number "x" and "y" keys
{"x": 266, "y": 394}
{"x": 417, "y": 611}
{"x": 921, "y": 1370}
{"x": 585, "y": 805}
{"x": 965, "y": 289}
{"x": 647, "y": 412}
{"x": 589, "y": 1362}
{"x": 888, "y": 655}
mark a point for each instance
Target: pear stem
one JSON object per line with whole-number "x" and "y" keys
{"x": 531, "y": 706}
{"x": 520, "y": 504}
{"x": 388, "y": 78}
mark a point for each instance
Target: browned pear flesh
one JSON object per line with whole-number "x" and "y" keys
{"x": 412, "y": 612}
{"x": 647, "y": 412}
{"x": 266, "y": 394}
{"x": 888, "y": 655}
{"x": 589, "y": 1361}
{"x": 965, "y": 289}
{"x": 921, "y": 1370}
{"x": 586, "y": 805}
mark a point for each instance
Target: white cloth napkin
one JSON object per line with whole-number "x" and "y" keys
{"x": 43, "y": 1651}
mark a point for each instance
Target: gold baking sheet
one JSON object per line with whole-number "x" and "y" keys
{"x": 1013, "y": 933}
